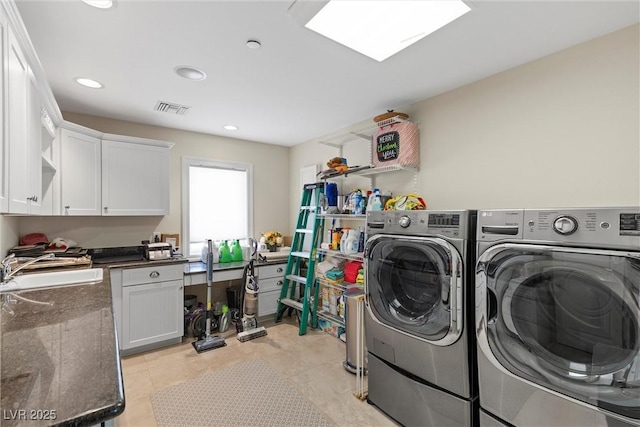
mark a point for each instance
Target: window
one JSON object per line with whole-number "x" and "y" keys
{"x": 216, "y": 202}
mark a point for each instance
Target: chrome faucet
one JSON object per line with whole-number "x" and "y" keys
{"x": 6, "y": 273}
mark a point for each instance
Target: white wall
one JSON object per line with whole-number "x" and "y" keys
{"x": 271, "y": 179}
{"x": 8, "y": 233}
{"x": 560, "y": 131}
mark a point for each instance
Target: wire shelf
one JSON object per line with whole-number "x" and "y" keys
{"x": 358, "y": 256}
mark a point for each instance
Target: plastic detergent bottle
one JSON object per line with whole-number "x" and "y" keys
{"x": 359, "y": 205}
{"x": 343, "y": 239}
{"x": 224, "y": 319}
{"x": 351, "y": 242}
{"x": 236, "y": 251}
{"x": 371, "y": 195}
{"x": 360, "y": 240}
{"x": 377, "y": 203}
{"x": 225, "y": 252}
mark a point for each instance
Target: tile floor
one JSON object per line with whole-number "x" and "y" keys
{"x": 312, "y": 363}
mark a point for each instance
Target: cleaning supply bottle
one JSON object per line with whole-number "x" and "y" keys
{"x": 376, "y": 204}
{"x": 370, "y": 198}
{"x": 359, "y": 205}
{"x": 224, "y": 319}
{"x": 225, "y": 252}
{"x": 360, "y": 240}
{"x": 236, "y": 251}
{"x": 351, "y": 242}
{"x": 343, "y": 239}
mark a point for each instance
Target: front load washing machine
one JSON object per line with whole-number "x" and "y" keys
{"x": 419, "y": 316}
{"x": 557, "y": 317}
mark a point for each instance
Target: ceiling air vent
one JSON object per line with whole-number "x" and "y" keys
{"x": 171, "y": 108}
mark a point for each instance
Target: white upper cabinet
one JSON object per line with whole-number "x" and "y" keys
{"x": 80, "y": 174}
{"x": 135, "y": 177}
{"x": 18, "y": 79}
{"x": 24, "y": 107}
{"x": 34, "y": 149}
{"x": 4, "y": 146}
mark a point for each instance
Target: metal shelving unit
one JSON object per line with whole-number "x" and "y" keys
{"x": 365, "y": 134}
{"x": 358, "y": 256}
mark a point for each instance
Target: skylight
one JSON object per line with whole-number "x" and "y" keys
{"x": 379, "y": 29}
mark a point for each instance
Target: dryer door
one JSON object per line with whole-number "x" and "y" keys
{"x": 414, "y": 285}
{"x": 565, "y": 319}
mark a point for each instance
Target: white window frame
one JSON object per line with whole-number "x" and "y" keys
{"x": 188, "y": 162}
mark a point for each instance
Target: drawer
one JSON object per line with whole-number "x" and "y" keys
{"x": 159, "y": 273}
{"x": 275, "y": 270}
{"x": 270, "y": 284}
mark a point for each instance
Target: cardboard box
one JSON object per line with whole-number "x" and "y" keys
{"x": 329, "y": 327}
{"x": 172, "y": 239}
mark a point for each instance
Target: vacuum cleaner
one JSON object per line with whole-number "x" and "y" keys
{"x": 247, "y": 325}
{"x": 208, "y": 342}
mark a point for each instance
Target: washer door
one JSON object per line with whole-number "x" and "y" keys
{"x": 564, "y": 319}
{"x": 414, "y": 285}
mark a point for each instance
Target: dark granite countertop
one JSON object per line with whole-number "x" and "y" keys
{"x": 60, "y": 364}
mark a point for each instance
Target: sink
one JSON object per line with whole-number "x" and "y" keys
{"x": 53, "y": 279}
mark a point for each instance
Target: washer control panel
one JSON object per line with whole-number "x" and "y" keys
{"x": 606, "y": 227}
{"x": 404, "y": 221}
{"x": 617, "y": 228}
{"x": 452, "y": 224}
{"x": 630, "y": 224}
{"x": 565, "y": 225}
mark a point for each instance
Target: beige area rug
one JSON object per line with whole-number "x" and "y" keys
{"x": 247, "y": 394}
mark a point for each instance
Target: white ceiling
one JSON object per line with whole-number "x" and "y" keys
{"x": 299, "y": 85}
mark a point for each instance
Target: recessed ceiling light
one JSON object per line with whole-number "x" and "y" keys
{"x": 359, "y": 24}
{"x": 93, "y": 84}
{"x": 231, "y": 127}
{"x": 100, "y": 4}
{"x": 190, "y": 73}
{"x": 253, "y": 44}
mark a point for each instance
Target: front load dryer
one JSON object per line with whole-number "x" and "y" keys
{"x": 557, "y": 317}
{"x": 419, "y": 316}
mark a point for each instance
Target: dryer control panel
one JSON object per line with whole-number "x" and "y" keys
{"x": 617, "y": 228}
{"x": 452, "y": 224}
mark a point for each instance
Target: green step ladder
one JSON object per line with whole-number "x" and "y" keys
{"x": 292, "y": 274}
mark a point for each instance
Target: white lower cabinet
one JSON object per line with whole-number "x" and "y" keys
{"x": 270, "y": 279}
{"x": 148, "y": 306}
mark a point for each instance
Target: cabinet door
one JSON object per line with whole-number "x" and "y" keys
{"x": 4, "y": 145}
{"x": 34, "y": 148}
{"x": 135, "y": 179}
{"x": 152, "y": 313}
{"x": 268, "y": 302}
{"x": 18, "y": 79}
{"x": 80, "y": 174}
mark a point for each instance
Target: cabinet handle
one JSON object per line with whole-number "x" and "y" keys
{"x": 279, "y": 283}
{"x": 67, "y": 207}
{"x": 106, "y": 209}
{"x": 279, "y": 269}
{"x": 154, "y": 274}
